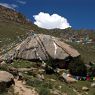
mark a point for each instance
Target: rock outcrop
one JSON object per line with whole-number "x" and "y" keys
{"x": 41, "y": 47}
{"x": 6, "y": 80}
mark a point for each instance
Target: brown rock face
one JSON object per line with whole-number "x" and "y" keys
{"x": 43, "y": 47}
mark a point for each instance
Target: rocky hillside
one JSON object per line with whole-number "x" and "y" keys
{"x": 14, "y": 27}
{"x": 35, "y": 78}
{"x": 9, "y": 14}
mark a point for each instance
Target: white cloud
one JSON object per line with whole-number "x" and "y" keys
{"x": 45, "y": 20}
{"x": 10, "y": 6}
{"x": 21, "y": 2}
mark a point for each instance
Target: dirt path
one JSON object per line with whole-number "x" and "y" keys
{"x": 21, "y": 89}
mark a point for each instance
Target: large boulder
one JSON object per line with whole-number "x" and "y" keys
{"x": 6, "y": 80}
{"x": 42, "y": 47}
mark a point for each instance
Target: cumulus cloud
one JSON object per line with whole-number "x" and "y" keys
{"x": 21, "y": 2}
{"x": 47, "y": 21}
{"x": 10, "y": 6}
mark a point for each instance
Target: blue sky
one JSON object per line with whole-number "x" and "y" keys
{"x": 79, "y": 13}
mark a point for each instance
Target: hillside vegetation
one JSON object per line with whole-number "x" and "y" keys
{"x": 14, "y": 28}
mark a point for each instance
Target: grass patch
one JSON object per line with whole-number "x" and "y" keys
{"x": 8, "y": 91}
{"x": 44, "y": 87}
{"x": 81, "y": 84}
{"x": 87, "y": 51}
{"x": 22, "y": 64}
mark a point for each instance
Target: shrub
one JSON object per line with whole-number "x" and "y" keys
{"x": 44, "y": 91}
{"x": 4, "y": 67}
{"x": 77, "y": 67}
{"x": 91, "y": 70}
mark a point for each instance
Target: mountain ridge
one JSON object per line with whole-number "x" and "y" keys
{"x": 10, "y": 14}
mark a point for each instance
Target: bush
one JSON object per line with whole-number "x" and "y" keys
{"x": 44, "y": 91}
{"x": 77, "y": 67}
{"x": 4, "y": 67}
{"x": 91, "y": 70}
